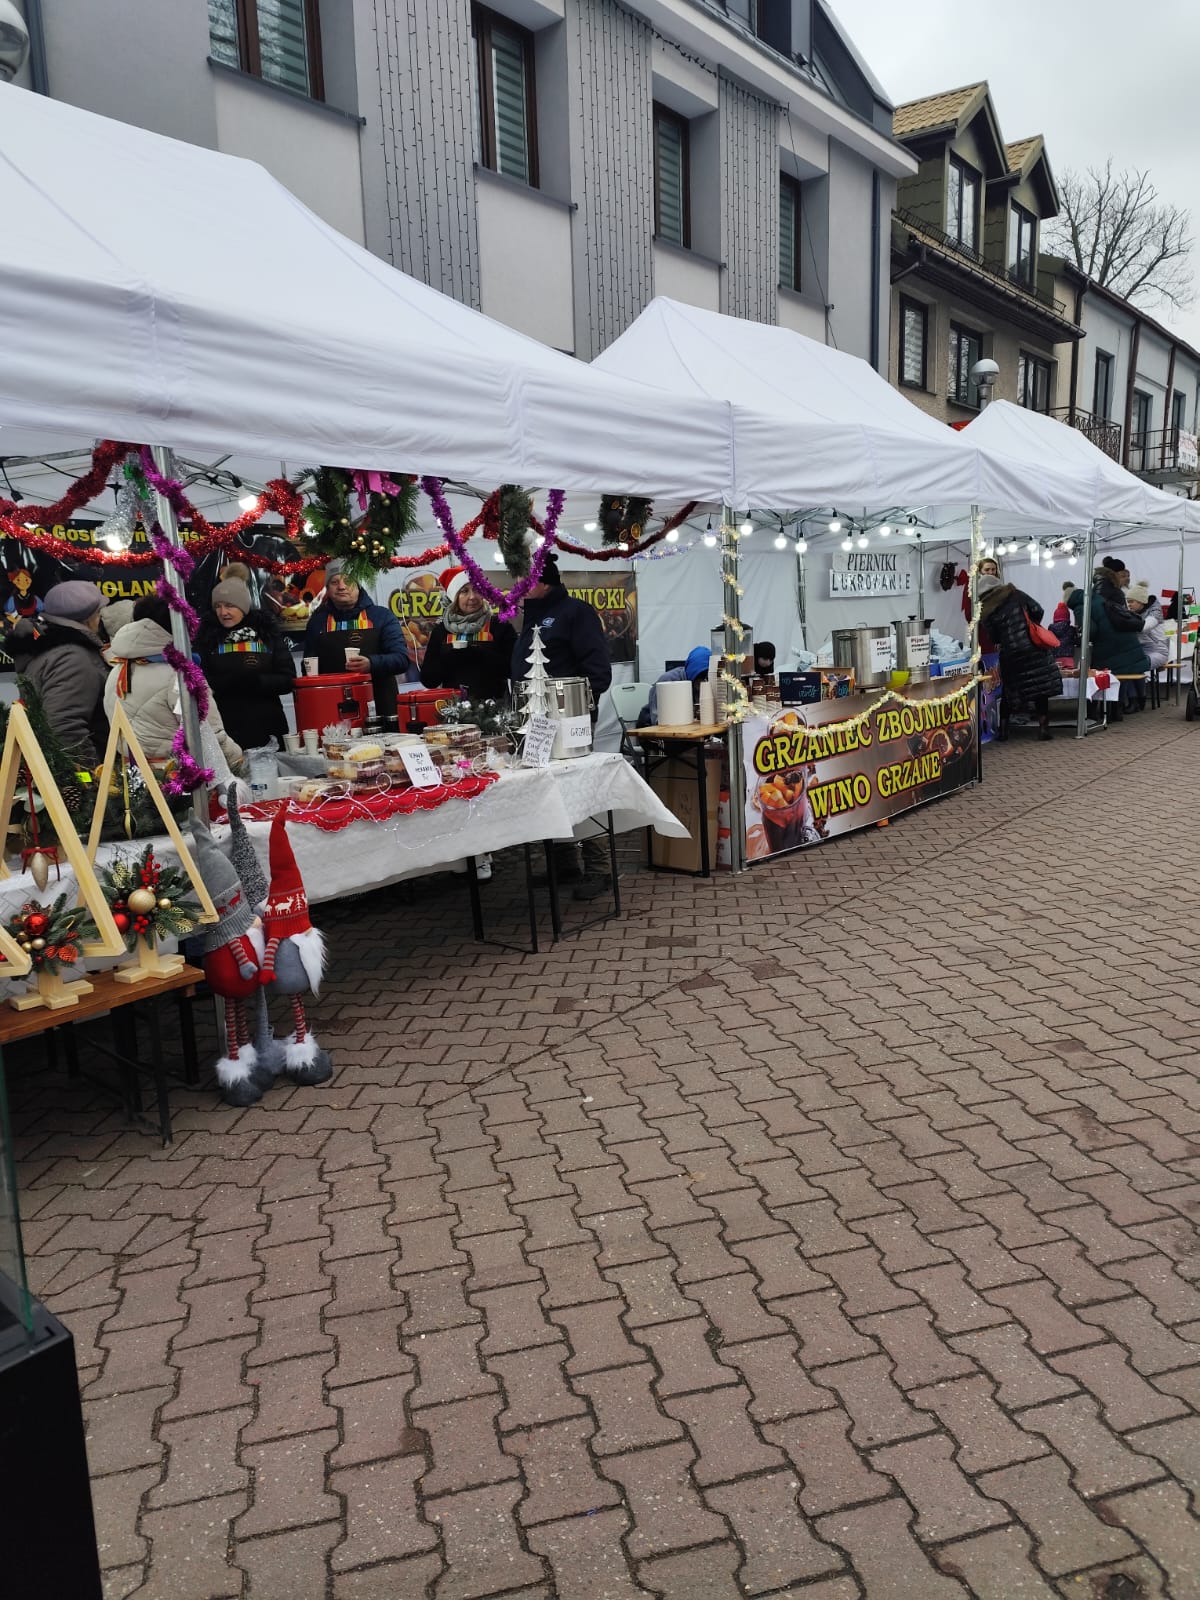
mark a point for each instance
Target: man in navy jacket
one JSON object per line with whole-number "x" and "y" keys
{"x": 573, "y": 636}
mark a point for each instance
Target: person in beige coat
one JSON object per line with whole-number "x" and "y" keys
{"x": 145, "y": 682}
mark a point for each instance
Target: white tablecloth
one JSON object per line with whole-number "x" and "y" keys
{"x": 524, "y": 806}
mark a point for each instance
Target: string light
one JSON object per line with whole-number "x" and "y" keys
{"x": 847, "y": 544}
{"x": 673, "y": 536}
{"x": 836, "y": 525}
{"x": 589, "y": 527}
{"x": 1049, "y": 561}
{"x": 249, "y": 502}
{"x": 801, "y": 546}
{"x": 746, "y": 529}
{"x": 498, "y": 557}
{"x": 885, "y": 531}
{"x": 863, "y": 541}
{"x": 780, "y": 542}
{"x": 910, "y": 531}
{"x": 710, "y": 539}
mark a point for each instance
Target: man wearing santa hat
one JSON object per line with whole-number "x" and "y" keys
{"x": 468, "y": 649}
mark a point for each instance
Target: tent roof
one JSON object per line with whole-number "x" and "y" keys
{"x": 813, "y": 426}
{"x": 158, "y": 292}
{"x": 1054, "y": 450}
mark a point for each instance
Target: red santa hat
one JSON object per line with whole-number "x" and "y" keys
{"x": 286, "y": 912}
{"x": 454, "y": 580}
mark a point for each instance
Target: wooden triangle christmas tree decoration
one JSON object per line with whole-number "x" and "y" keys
{"x": 17, "y": 962}
{"x": 21, "y": 746}
{"x": 120, "y": 732}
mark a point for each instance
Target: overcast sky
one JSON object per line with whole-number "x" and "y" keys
{"x": 1094, "y": 77}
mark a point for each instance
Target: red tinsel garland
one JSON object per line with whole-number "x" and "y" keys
{"x": 203, "y": 539}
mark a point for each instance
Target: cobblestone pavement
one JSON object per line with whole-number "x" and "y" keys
{"x": 827, "y": 1233}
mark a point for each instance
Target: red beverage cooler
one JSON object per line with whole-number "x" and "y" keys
{"x": 422, "y": 708}
{"x": 330, "y": 697}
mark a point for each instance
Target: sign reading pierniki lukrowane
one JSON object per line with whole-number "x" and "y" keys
{"x": 811, "y": 776}
{"x": 867, "y": 574}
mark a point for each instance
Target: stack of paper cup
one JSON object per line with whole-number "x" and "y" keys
{"x": 708, "y": 708}
{"x": 674, "y": 704}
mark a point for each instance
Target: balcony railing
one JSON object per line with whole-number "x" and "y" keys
{"x": 1006, "y": 275}
{"x": 1104, "y": 435}
{"x": 1165, "y": 450}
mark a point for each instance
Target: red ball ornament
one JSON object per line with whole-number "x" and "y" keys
{"x": 121, "y": 920}
{"x": 37, "y": 924}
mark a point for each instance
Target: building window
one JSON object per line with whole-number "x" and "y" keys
{"x": 789, "y": 233}
{"x": 1033, "y": 382}
{"x": 672, "y": 211}
{"x": 962, "y": 210}
{"x": 1179, "y": 410}
{"x": 914, "y": 334}
{"x": 966, "y": 350}
{"x": 276, "y": 40}
{"x": 1022, "y": 244}
{"x": 505, "y": 99}
{"x": 1102, "y": 387}
{"x": 1140, "y": 420}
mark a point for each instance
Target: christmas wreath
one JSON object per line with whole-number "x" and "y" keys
{"x": 623, "y": 518}
{"x": 53, "y": 934}
{"x": 149, "y": 900}
{"x": 362, "y": 517}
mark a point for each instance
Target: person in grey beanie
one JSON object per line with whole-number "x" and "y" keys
{"x": 248, "y": 665}
{"x": 64, "y": 662}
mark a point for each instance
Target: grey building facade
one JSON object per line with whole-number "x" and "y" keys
{"x": 555, "y": 163}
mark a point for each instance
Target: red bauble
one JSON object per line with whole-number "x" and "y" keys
{"x": 36, "y": 925}
{"x": 121, "y": 920}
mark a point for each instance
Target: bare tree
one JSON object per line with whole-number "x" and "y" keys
{"x": 1114, "y": 227}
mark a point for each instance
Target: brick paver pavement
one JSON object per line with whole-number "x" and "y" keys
{"x": 830, "y": 1232}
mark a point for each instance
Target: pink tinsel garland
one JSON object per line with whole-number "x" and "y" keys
{"x": 507, "y": 605}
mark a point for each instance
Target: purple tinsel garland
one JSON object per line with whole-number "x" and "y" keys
{"x": 507, "y": 605}
{"x": 189, "y": 775}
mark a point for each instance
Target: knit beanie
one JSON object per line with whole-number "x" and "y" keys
{"x": 74, "y": 601}
{"x": 232, "y": 592}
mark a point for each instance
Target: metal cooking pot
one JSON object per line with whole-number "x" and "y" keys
{"x": 914, "y": 647}
{"x": 571, "y": 706}
{"x": 870, "y": 651}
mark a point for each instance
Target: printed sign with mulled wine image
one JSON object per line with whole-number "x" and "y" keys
{"x": 811, "y": 774}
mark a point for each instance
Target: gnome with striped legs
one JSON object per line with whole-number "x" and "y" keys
{"x": 294, "y": 961}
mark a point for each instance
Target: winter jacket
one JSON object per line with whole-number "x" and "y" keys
{"x": 65, "y": 664}
{"x": 248, "y": 668}
{"x": 1154, "y": 635}
{"x": 151, "y": 690}
{"x": 1028, "y": 671}
{"x": 479, "y": 667}
{"x": 1115, "y": 630}
{"x": 573, "y": 636}
{"x": 389, "y": 657}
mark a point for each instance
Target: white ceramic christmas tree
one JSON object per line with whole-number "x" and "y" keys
{"x": 537, "y": 683}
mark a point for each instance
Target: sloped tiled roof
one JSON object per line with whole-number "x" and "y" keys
{"x": 1019, "y": 152}
{"x": 935, "y": 110}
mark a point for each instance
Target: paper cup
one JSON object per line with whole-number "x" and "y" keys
{"x": 291, "y": 741}
{"x": 312, "y": 741}
{"x": 310, "y": 665}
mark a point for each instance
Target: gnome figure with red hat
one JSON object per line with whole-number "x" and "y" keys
{"x": 468, "y": 649}
{"x": 294, "y": 959}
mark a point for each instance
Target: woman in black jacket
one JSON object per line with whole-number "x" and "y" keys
{"x": 1028, "y": 671}
{"x": 248, "y": 664}
{"x": 468, "y": 649}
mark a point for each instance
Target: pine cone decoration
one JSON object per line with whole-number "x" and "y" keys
{"x": 73, "y": 796}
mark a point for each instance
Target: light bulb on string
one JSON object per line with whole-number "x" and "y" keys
{"x": 780, "y": 542}
{"x": 249, "y": 502}
{"x": 746, "y": 529}
{"x": 498, "y": 557}
{"x": 885, "y": 530}
{"x": 801, "y": 546}
{"x": 589, "y": 527}
{"x": 836, "y": 525}
{"x": 863, "y": 541}
{"x": 910, "y": 531}
{"x": 1049, "y": 561}
{"x": 1072, "y": 561}
{"x": 710, "y": 540}
{"x": 673, "y": 536}
{"x": 847, "y": 544}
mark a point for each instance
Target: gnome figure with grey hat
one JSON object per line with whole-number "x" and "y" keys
{"x": 293, "y": 961}
{"x": 233, "y": 954}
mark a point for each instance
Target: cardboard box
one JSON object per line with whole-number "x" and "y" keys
{"x": 676, "y": 785}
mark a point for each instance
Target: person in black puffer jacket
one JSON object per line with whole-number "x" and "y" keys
{"x": 64, "y": 663}
{"x": 248, "y": 664}
{"x": 1028, "y": 671}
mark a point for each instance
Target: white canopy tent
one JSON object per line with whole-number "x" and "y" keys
{"x": 158, "y": 292}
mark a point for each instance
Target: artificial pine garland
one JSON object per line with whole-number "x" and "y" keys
{"x": 149, "y": 899}
{"x": 366, "y": 538}
{"x": 52, "y": 934}
{"x": 514, "y": 511}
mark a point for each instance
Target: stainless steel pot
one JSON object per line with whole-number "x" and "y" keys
{"x": 870, "y": 651}
{"x": 914, "y": 647}
{"x": 571, "y": 706}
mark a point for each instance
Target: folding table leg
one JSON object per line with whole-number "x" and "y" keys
{"x": 70, "y": 1049}
{"x": 533, "y": 928}
{"x": 476, "y": 902}
{"x": 187, "y": 1034}
{"x": 125, "y": 1048}
{"x": 552, "y": 884}
{"x": 612, "y": 863}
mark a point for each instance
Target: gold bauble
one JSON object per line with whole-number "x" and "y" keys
{"x": 164, "y": 904}
{"x": 39, "y": 944}
{"x": 141, "y": 901}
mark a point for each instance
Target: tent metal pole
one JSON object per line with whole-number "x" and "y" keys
{"x": 1085, "y": 632}
{"x": 802, "y": 596}
{"x": 920, "y": 577}
{"x": 733, "y": 653}
{"x": 973, "y": 570}
{"x": 164, "y": 511}
{"x": 1179, "y": 619}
